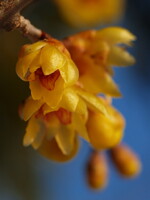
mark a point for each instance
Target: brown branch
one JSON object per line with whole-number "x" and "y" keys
{"x": 11, "y": 19}
{"x": 9, "y": 8}
{"x": 28, "y": 30}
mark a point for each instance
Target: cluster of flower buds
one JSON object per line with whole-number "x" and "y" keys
{"x": 65, "y": 78}
{"x": 124, "y": 159}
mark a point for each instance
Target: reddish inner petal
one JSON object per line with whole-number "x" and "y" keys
{"x": 48, "y": 81}
{"x": 64, "y": 116}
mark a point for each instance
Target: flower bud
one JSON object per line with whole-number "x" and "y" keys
{"x": 125, "y": 160}
{"x": 97, "y": 171}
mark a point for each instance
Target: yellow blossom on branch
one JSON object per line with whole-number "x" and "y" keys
{"x": 90, "y": 12}
{"x": 61, "y": 126}
{"x": 48, "y": 68}
{"x": 95, "y": 53}
{"x": 105, "y": 131}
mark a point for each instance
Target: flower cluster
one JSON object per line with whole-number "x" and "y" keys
{"x": 65, "y": 79}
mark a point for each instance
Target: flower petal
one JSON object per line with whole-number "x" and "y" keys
{"x": 69, "y": 72}
{"x": 69, "y": 100}
{"x": 50, "y": 150}
{"x": 24, "y": 63}
{"x": 116, "y": 35}
{"x": 118, "y": 56}
{"x": 34, "y": 128}
{"x": 51, "y": 59}
{"x": 53, "y": 97}
{"x": 93, "y": 102}
{"x": 66, "y": 138}
{"x": 80, "y": 127}
{"x": 30, "y": 107}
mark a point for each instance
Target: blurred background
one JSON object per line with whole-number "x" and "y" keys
{"x": 24, "y": 174}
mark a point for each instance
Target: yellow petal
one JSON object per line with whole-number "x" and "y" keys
{"x": 50, "y": 150}
{"x": 53, "y": 126}
{"x": 116, "y": 35}
{"x": 69, "y": 100}
{"x": 69, "y": 72}
{"x": 24, "y": 63}
{"x": 80, "y": 127}
{"x": 119, "y": 57}
{"x": 30, "y": 107}
{"x": 93, "y": 102}
{"x": 34, "y": 128}
{"x": 82, "y": 109}
{"x": 51, "y": 59}
{"x": 30, "y": 48}
{"x": 66, "y": 139}
{"x": 53, "y": 97}
{"x": 100, "y": 82}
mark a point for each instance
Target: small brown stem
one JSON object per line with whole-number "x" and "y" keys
{"x": 28, "y": 30}
{"x": 10, "y": 8}
{"x": 10, "y": 19}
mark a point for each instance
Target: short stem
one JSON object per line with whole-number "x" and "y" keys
{"x": 28, "y": 30}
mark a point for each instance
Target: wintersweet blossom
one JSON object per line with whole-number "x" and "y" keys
{"x": 89, "y": 12}
{"x": 95, "y": 53}
{"x": 105, "y": 131}
{"x": 48, "y": 68}
{"x": 59, "y": 127}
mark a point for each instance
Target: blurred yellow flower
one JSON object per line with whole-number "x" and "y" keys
{"x": 105, "y": 131}
{"x": 90, "y": 12}
{"x": 59, "y": 127}
{"x": 95, "y": 52}
{"x": 48, "y": 68}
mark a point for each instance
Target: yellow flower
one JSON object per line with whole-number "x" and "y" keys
{"x": 105, "y": 131}
{"x": 125, "y": 160}
{"x": 95, "y": 52}
{"x": 59, "y": 126}
{"x": 89, "y": 12}
{"x": 48, "y": 68}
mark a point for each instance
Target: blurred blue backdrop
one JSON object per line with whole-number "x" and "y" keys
{"x": 25, "y": 175}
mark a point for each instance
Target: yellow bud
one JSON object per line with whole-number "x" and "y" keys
{"x": 97, "y": 171}
{"x": 126, "y": 161}
{"x": 105, "y": 131}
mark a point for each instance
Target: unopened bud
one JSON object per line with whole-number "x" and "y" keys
{"x": 126, "y": 161}
{"x": 97, "y": 171}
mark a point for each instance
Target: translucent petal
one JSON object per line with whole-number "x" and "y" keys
{"x": 30, "y": 48}
{"x": 34, "y": 128}
{"x": 93, "y": 102}
{"x": 69, "y": 72}
{"x": 69, "y": 100}
{"x": 80, "y": 127}
{"x": 50, "y": 150}
{"x": 118, "y": 56}
{"x": 24, "y": 63}
{"x": 53, "y": 97}
{"x": 30, "y": 107}
{"x": 51, "y": 59}
{"x": 116, "y": 35}
{"x": 65, "y": 139}
{"x": 100, "y": 82}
